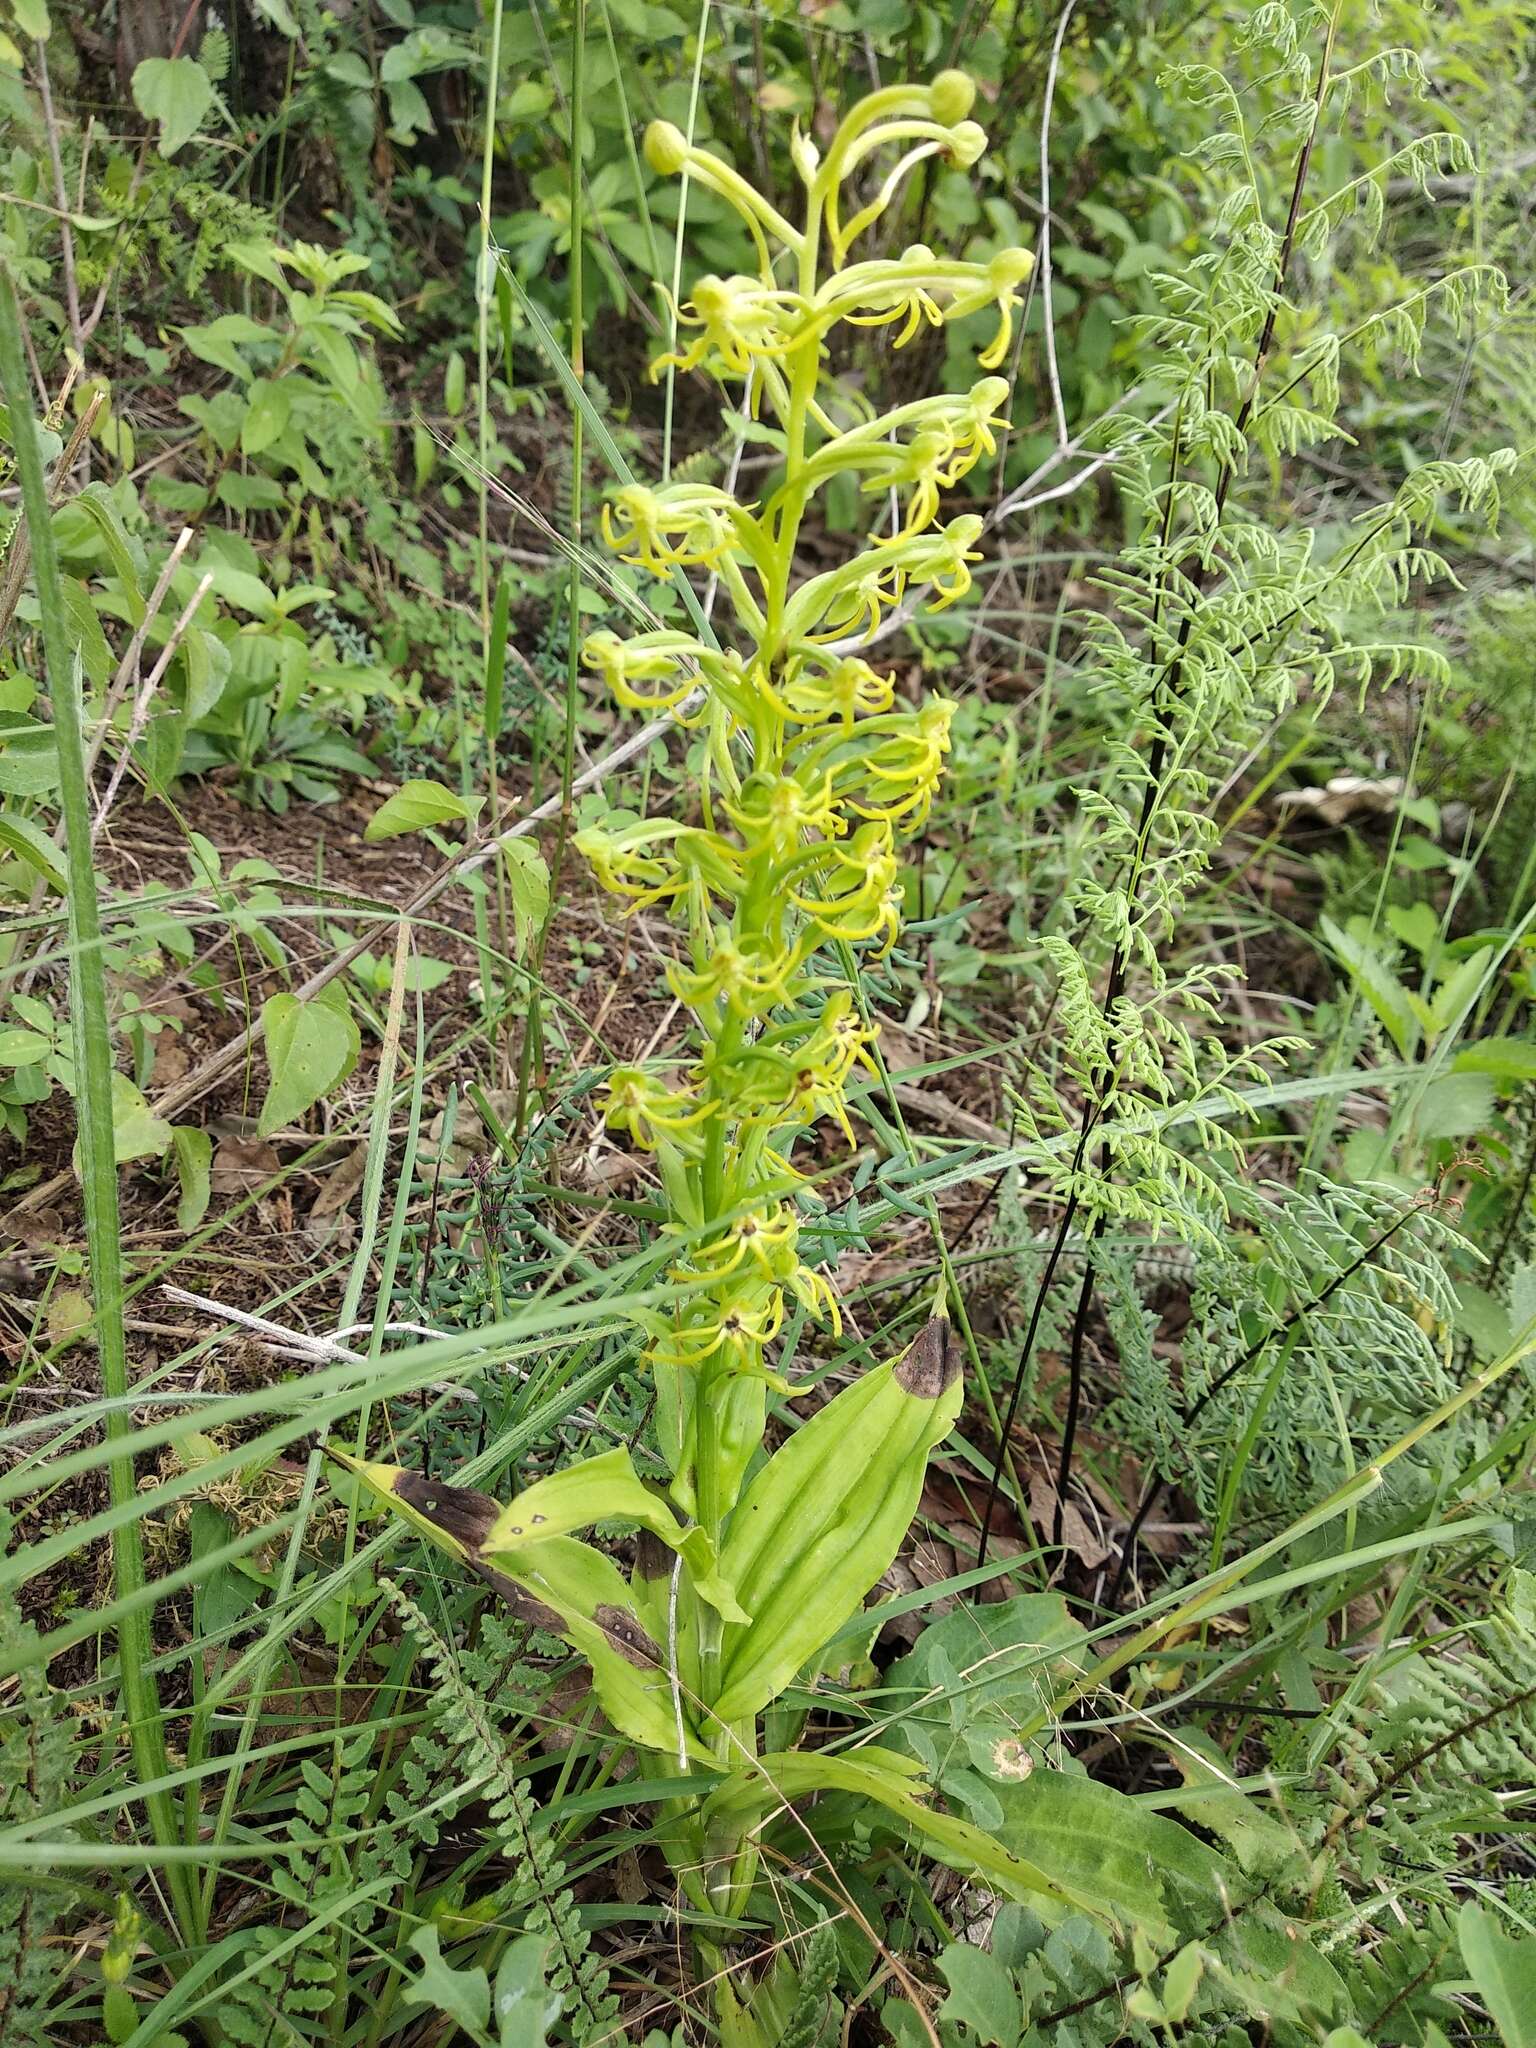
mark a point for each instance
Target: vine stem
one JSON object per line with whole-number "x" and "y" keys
{"x": 93, "y": 1096}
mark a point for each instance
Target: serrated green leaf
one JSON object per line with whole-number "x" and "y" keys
{"x": 1507, "y": 1059}
{"x": 1455, "y": 1106}
{"x": 1374, "y": 980}
{"x": 1460, "y": 989}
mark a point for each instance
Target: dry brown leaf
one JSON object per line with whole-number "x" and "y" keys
{"x": 1344, "y": 798}
{"x": 340, "y": 1184}
{"x": 241, "y": 1165}
{"x": 1077, "y": 1533}
{"x": 172, "y": 1061}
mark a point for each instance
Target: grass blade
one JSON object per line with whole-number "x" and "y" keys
{"x": 93, "y": 1069}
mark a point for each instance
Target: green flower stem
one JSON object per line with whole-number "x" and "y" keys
{"x": 93, "y": 1070}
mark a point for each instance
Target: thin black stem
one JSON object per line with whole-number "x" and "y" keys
{"x": 1516, "y": 1213}
{"x": 1075, "y": 1381}
{"x": 1166, "y": 697}
{"x": 1193, "y": 1410}
{"x": 1030, "y": 1334}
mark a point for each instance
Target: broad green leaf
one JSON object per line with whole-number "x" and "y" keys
{"x": 1415, "y": 924}
{"x": 528, "y": 880}
{"x": 1455, "y": 1106}
{"x": 261, "y": 259}
{"x": 32, "y": 19}
{"x": 22, "y": 1048}
{"x": 1503, "y": 1967}
{"x": 267, "y": 415}
{"x": 886, "y": 1779}
{"x": 1154, "y": 1874}
{"x": 250, "y": 493}
{"x": 137, "y": 1133}
{"x": 194, "y": 1153}
{"x": 416, "y": 805}
{"x": 219, "y": 341}
{"x": 823, "y": 1518}
{"x": 601, "y": 1489}
{"x": 463, "y": 1996}
{"x": 1522, "y": 1297}
{"x": 29, "y": 757}
{"x": 524, "y": 2008}
{"x": 176, "y": 92}
{"x": 453, "y": 385}
{"x": 1484, "y": 1321}
{"x": 310, "y": 1048}
{"x": 592, "y": 1607}
{"x": 585, "y": 1597}
{"x": 982, "y": 1995}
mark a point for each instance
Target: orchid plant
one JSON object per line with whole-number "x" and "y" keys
{"x": 815, "y": 772}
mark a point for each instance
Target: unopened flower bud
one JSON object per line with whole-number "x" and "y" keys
{"x": 804, "y": 154}
{"x": 952, "y": 95}
{"x": 967, "y": 144}
{"x": 666, "y": 148}
{"x": 1009, "y": 268}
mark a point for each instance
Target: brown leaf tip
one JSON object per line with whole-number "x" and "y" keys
{"x": 459, "y": 1511}
{"x": 932, "y": 1363}
{"x": 626, "y": 1636}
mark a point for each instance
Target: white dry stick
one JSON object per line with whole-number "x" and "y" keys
{"x": 140, "y": 714}
{"x": 308, "y": 1350}
{"x": 66, "y": 237}
{"x": 128, "y": 667}
{"x": 1048, "y": 314}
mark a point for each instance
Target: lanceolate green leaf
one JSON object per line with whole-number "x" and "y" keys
{"x": 194, "y": 1155}
{"x": 414, "y": 806}
{"x": 528, "y": 881}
